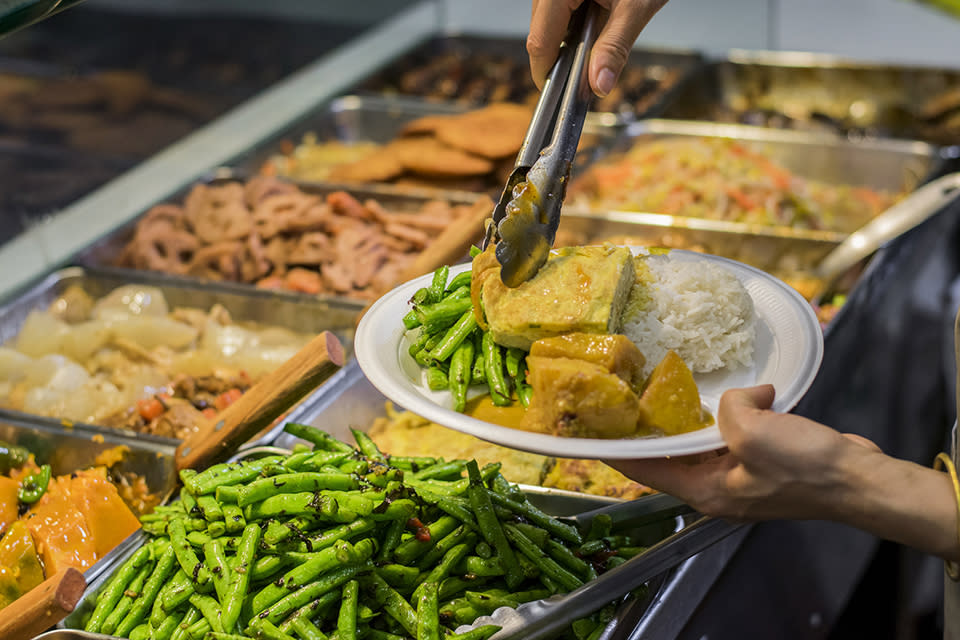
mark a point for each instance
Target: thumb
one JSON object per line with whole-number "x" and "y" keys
{"x": 609, "y": 55}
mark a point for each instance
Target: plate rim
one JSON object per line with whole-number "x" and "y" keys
{"x": 700, "y": 441}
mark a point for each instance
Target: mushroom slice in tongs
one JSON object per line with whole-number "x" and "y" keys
{"x": 525, "y": 219}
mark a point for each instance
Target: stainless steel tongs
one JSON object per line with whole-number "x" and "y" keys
{"x": 542, "y": 619}
{"x": 525, "y": 219}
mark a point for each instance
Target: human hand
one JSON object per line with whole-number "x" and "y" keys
{"x": 625, "y": 19}
{"x": 775, "y": 465}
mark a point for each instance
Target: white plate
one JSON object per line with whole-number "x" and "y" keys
{"x": 787, "y": 353}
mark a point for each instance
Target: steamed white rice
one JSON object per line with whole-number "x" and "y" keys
{"x": 696, "y": 308}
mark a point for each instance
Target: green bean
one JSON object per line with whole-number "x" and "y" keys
{"x": 331, "y": 580}
{"x": 402, "y": 509}
{"x": 547, "y": 565}
{"x": 462, "y": 279}
{"x": 367, "y": 446}
{"x": 455, "y": 336}
{"x": 428, "y": 618}
{"x": 140, "y": 632}
{"x": 199, "y": 629}
{"x": 169, "y": 624}
{"x": 391, "y": 540}
{"x": 322, "y": 562}
{"x": 440, "y": 316}
{"x": 436, "y": 379}
{"x": 306, "y": 630}
{"x": 453, "y": 556}
{"x": 233, "y": 518}
{"x": 490, "y": 527}
{"x": 600, "y": 527}
{"x": 294, "y": 483}
{"x": 411, "y": 320}
{"x": 267, "y": 630}
{"x": 438, "y": 284}
{"x": 409, "y": 550}
{"x": 191, "y": 617}
{"x": 216, "y": 562}
{"x": 400, "y": 577}
{"x": 559, "y": 529}
{"x": 328, "y": 537}
{"x": 538, "y": 535}
{"x": 478, "y": 372}
{"x": 442, "y": 470}
{"x": 493, "y": 366}
{"x": 483, "y": 567}
{"x": 227, "y": 494}
{"x": 266, "y": 566}
{"x": 459, "y": 377}
{"x": 210, "y": 610}
{"x": 320, "y": 439}
{"x": 165, "y": 565}
{"x": 216, "y": 635}
{"x": 111, "y": 594}
{"x": 460, "y": 535}
{"x": 130, "y": 595}
{"x": 210, "y": 508}
{"x": 513, "y": 360}
{"x": 313, "y": 609}
{"x": 566, "y": 557}
{"x": 524, "y": 394}
{"x": 229, "y": 473}
{"x": 179, "y": 591}
{"x": 347, "y": 619}
{"x": 320, "y": 459}
{"x": 331, "y": 505}
{"x": 392, "y": 602}
{"x": 188, "y": 560}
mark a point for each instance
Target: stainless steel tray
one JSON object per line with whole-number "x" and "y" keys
{"x": 626, "y": 618}
{"x": 299, "y": 313}
{"x": 885, "y": 164}
{"x": 823, "y": 93}
{"x": 379, "y": 119}
{"x": 107, "y": 250}
{"x": 470, "y": 64}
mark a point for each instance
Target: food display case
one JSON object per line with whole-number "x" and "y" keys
{"x": 864, "y": 126}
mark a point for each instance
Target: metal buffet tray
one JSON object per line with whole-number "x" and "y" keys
{"x": 628, "y": 615}
{"x": 824, "y": 93}
{"x": 106, "y": 251}
{"x": 887, "y": 164}
{"x": 245, "y": 304}
{"x": 476, "y": 62}
{"x": 379, "y": 119}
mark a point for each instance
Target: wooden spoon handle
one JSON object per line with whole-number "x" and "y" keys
{"x": 43, "y": 606}
{"x": 452, "y": 243}
{"x": 263, "y": 403}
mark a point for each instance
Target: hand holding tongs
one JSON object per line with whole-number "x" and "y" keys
{"x": 525, "y": 220}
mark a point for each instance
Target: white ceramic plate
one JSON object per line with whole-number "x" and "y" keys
{"x": 787, "y": 353}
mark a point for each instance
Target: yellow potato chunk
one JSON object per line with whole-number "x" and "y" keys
{"x": 671, "y": 402}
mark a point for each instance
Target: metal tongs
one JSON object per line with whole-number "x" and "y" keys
{"x": 542, "y": 619}
{"x": 525, "y": 219}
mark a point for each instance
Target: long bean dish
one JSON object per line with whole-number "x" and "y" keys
{"x": 130, "y": 361}
{"x": 726, "y": 180}
{"x": 337, "y": 541}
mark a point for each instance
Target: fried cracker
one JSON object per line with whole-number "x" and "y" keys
{"x": 427, "y": 125}
{"x": 379, "y": 166}
{"x": 493, "y": 132}
{"x": 429, "y": 157}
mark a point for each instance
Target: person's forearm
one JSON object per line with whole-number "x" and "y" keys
{"x": 899, "y": 501}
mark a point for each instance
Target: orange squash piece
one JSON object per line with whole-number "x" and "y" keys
{"x": 60, "y": 531}
{"x": 671, "y": 402}
{"x": 8, "y": 502}
{"x": 20, "y": 568}
{"x": 108, "y": 518}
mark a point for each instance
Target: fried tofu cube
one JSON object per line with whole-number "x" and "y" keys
{"x": 576, "y": 398}
{"x": 581, "y": 289}
{"x": 615, "y": 352}
{"x": 671, "y": 401}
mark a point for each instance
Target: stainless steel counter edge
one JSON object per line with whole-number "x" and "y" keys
{"x": 51, "y": 242}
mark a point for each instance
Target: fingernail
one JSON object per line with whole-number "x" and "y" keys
{"x": 605, "y": 81}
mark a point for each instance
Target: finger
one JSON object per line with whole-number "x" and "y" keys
{"x": 863, "y": 442}
{"x": 737, "y": 405}
{"x": 548, "y": 25}
{"x": 609, "y": 55}
{"x": 674, "y": 476}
